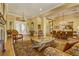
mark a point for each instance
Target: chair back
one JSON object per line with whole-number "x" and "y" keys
{"x": 14, "y": 33}
{"x": 9, "y": 32}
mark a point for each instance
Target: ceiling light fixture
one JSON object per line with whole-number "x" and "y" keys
{"x": 40, "y": 9}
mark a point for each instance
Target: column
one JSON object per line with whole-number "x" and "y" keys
{"x": 44, "y": 26}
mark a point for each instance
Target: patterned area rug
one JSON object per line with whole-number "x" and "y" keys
{"x": 25, "y": 49}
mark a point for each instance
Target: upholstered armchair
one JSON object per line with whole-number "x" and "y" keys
{"x": 70, "y": 45}
{"x": 9, "y": 32}
{"x": 50, "y": 51}
{"x": 16, "y": 35}
{"x": 74, "y": 50}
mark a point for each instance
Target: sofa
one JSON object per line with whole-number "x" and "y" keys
{"x": 50, "y": 51}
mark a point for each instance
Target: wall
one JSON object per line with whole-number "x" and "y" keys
{"x": 43, "y": 21}
{"x": 68, "y": 18}
{"x": 10, "y": 18}
{"x": 37, "y": 20}
{"x": 4, "y": 26}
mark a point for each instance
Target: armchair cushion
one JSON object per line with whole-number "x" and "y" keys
{"x": 74, "y": 50}
{"x": 50, "y": 51}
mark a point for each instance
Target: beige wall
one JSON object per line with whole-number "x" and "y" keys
{"x": 43, "y": 21}
{"x": 36, "y": 20}
{"x": 10, "y": 18}
{"x": 4, "y": 26}
{"x": 13, "y": 18}
{"x": 68, "y": 18}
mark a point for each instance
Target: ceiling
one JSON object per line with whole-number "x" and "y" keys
{"x": 30, "y": 9}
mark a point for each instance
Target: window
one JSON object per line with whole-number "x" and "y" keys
{"x": 20, "y": 27}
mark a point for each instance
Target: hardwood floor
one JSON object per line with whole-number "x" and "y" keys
{"x": 9, "y": 50}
